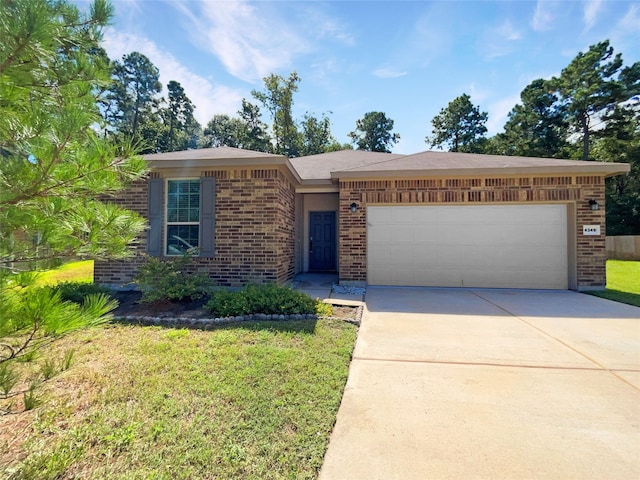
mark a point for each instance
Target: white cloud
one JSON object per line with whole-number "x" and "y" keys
{"x": 387, "y": 72}
{"x": 591, "y": 9}
{"x": 625, "y": 33}
{"x": 498, "y": 113}
{"x": 499, "y": 41}
{"x": 431, "y": 36}
{"x": 208, "y": 98}
{"x": 251, "y": 41}
{"x": 477, "y": 95}
{"x": 545, "y": 15}
{"x": 508, "y": 32}
{"x": 321, "y": 25}
{"x": 631, "y": 21}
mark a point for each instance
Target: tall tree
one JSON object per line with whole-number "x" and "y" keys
{"x": 277, "y": 98}
{"x": 178, "y": 116}
{"x": 592, "y": 85}
{"x": 245, "y": 131}
{"x": 374, "y": 133}
{"x": 317, "y": 137}
{"x": 223, "y": 130}
{"x": 133, "y": 95}
{"x": 620, "y": 142}
{"x": 54, "y": 169}
{"x": 537, "y": 127}
{"x": 255, "y": 134}
{"x": 460, "y": 126}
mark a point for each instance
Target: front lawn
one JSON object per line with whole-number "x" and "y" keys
{"x": 249, "y": 400}
{"x": 69, "y": 272}
{"x": 623, "y": 282}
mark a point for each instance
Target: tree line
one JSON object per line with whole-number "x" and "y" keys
{"x": 591, "y": 111}
{"x": 134, "y": 111}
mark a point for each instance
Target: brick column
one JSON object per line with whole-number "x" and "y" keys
{"x": 591, "y": 249}
{"x": 353, "y": 235}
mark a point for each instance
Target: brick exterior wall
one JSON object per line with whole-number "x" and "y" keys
{"x": 254, "y": 230}
{"x": 120, "y": 272}
{"x": 590, "y": 250}
{"x": 286, "y": 228}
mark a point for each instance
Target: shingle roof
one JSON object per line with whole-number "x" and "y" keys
{"x": 432, "y": 163}
{"x": 217, "y": 153}
{"x": 323, "y": 168}
{"x": 319, "y": 167}
{"x": 212, "y": 157}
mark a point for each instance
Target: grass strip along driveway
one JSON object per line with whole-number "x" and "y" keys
{"x": 623, "y": 282}
{"x": 252, "y": 400}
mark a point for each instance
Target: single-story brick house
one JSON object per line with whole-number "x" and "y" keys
{"x": 433, "y": 218}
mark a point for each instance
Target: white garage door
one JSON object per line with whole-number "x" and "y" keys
{"x": 498, "y": 246}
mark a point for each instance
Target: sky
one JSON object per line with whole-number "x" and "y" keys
{"x": 406, "y": 59}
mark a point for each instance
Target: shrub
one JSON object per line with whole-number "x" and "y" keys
{"x": 77, "y": 291}
{"x": 224, "y": 303}
{"x": 323, "y": 309}
{"x": 269, "y": 299}
{"x": 170, "y": 280}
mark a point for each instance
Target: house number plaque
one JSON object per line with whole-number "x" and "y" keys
{"x": 591, "y": 229}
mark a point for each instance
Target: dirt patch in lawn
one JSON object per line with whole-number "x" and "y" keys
{"x": 347, "y": 313}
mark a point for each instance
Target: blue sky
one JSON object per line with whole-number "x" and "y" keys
{"x": 407, "y": 59}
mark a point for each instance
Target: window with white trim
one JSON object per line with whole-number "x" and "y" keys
{"x": 182, "y": 216}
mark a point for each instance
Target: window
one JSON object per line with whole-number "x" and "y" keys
{"x": 182, "y": 217}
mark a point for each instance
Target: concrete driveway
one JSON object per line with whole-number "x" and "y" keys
{"x": 484, "y": 384}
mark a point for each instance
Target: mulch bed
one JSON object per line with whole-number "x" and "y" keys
{"x": 130, "y": 306}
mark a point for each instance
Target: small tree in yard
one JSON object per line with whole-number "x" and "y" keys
{"x": 53, "y": 169}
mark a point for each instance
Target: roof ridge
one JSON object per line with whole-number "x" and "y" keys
{"x": 396, "y": 156}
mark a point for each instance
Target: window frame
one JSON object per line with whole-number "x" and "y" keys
{"x": 167, "y": 223}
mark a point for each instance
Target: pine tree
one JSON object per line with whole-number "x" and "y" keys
{"x": 55, "y": 170}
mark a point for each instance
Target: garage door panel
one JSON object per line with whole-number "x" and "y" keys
{"x": 401, "y": 277}
{"x": 403, "y": 257}
{"x": 402, "y": 217}
{"x": 378, "y": 236}
{"x": 521, "y": 246}
{"x": 426, "y": 216}
{"x": 448, "y": 277}
{"x": 453, "y": 234}
{"x": 378, "y": 257}
{"x": 424, "y": 234}
{"x": 543, "y": 214}
{"x": 425, "y": 256}
{"x": 402, "y": 234}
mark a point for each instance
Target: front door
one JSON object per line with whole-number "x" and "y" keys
{"x": 322, "y": 241}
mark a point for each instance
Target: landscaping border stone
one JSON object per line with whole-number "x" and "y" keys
{"x": 207, "y": 323}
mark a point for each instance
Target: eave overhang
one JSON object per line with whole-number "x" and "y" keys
{"x": 604, "y": 169}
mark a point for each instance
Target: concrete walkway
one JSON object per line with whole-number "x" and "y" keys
{"x": 320, "y": 286}
{"x": 490, "y": 384}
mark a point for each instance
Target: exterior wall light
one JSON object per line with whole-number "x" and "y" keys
{"x": 594, "y": 205}
{"x": 353, "y": 207}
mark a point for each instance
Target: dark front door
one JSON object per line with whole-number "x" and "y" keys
{"x": 322, "y": 241}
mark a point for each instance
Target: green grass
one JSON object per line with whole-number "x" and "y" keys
{"x": 623, "y": 282}
{"x": 69, "y": 272}
{"x": 250, "y": 401}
